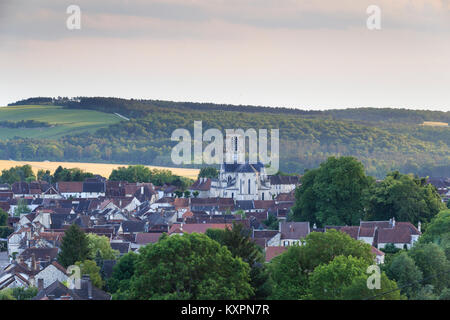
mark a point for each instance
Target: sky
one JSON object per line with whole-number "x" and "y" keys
{"x": 306, "y": 54}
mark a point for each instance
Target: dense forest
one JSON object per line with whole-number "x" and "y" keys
{"x": 383, "y": 139}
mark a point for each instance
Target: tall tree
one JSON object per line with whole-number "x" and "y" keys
{"x": 404, "y": 271}
{"x": 333, "y": 193}
{"x": 404, "y": 198}
{"x": 74, "y": 246}
{"x": 191, "y": 266}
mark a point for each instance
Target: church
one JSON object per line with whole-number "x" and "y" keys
{"x": 244, "y": 181}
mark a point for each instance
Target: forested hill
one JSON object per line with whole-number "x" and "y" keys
{"x": 383, "y": 139}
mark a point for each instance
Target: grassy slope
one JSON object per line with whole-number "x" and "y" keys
{"x": 66, "y": 121}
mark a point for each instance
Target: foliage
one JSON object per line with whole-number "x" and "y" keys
{"x": 404, "y": 271}
{"x": 238, "y": 241}
{"x": 122, "y": 273}
{"x": 272, "y": 222}
{"x": 21, "y": 293}
{"x": 432, "y": 262}
{"x": 74, "y": 246}
{"x": 208, "y": 172}
{"x": 332, "y": 194}
{"x": 89, "y": 267}
{"x": 345, "y": 278}
{"x": 189, "y": 266}
{"x": 22, "y": 208}
{"x": 141, "y": 173}
{"x": 18, "y": 173}
{"x": 102, "y": 245}
{"x": 73, "y": 174}
{"x": 382, "y": 139}
{"x": 403, "y": 197}
{"x": 290, "y": 271}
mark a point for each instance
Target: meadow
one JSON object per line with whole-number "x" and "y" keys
{"x": 102, "y": 169}
{"x": 64, "y": 121}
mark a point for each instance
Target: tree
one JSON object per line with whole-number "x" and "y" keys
{"x": 404, "y": 198}
{"x": 187, "y": 194}
{"x": 189, "y": 266}
{"x": 74, "y": 246}
{"x": 436, "y": 229}
{"x": 404, "y": 271}
{"x": 432, "y": 262}
{"x": 89, "y": 267}
{"x": 238, "y": 241}
{"x": 195, "y": 194}
{"x": 208, "y": 172}
{"x": 18, "y": 173}
{"x": 21, "y": 293}
{"x": 290, "y": 271}
{"x": 22, "y": 208}
{"x": 123, "y": 271}
{"x": 3, "y": 218}
{"x": 289, "y": 279}
{"x": 345, "y": 278}
{"x": 272, "y": 222}
{"x": 333, "y": 193}
{"x": 102, "y": 245}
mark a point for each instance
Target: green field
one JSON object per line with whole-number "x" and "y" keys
{"x": 65, "y": 121}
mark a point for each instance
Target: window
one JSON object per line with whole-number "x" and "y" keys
{"x": 263, "y": 195}
{"x": 249, "y": 186}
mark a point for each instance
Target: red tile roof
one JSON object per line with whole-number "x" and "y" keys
{"x": 272, "y": 252}
{"x": 197, "y": 227}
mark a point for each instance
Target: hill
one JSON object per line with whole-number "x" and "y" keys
{"x": 55, "y": 121}
{"x": 383, "y": 139}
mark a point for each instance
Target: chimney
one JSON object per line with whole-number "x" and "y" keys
{"x": 40, "y": 284}
{"x": 86, "y": 282}
{"x": 142, "y": 190}
{"x": 419, "y": 226}
{"x": 33, "y": 262}
{"x": 393, "y": 222}
{"x": 181, "y": 227}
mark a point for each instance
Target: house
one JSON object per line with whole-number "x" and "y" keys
{"x": 272, "y": 252}
{"x": 293, "y": 232}
{"x": 58, "y": 291}
{"x": 144, "y": 238}
{"x": 181, "y": 228}
{"x": 379, "y": 255}
{"x": 131, "y": 227}
{"x": 122, "y": 246}
{"x": 93, "y": 189}
{"x": 51, "y": 273}
{"x": 70, "y": 189}
{"x": 202, "y": 186}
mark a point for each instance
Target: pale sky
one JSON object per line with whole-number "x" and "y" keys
{"x": 307, "y": 54}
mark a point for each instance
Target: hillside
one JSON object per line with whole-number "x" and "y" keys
{"x": 383, "y": 139}
{"x": 57, "y": 121}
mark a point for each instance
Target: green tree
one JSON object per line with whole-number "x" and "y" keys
{"x": 21, "y": 293}
{"x": 102, "y": 245}
{"x": 89, "y": 267}
{"x": 290, "y": 270}
{"x": 436, "y": 229}
{"x": 404, "y": 271}
{"x": 333, "y": 193}
{"x": 432, "y": 262}
{"x": 74, "y": 246}
{"x": 345, "y": 278}
{"x": 123, "y": 271}
{"x": 195, "y": 194}
{"x": 238, "y": 240}
{"x": 187, "y": 194}
{"x": 272, "y": 222}
{"x": 208, "y": 172}
{"x": 3, "y": 218}
{"x": 189, "y": 266}
{"x": 403, "y": 197}
{"x": 22, "y": 208}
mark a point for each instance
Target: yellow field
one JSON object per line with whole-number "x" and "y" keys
{"x": 102, "y": 169}
{"x": 435, "y": 123}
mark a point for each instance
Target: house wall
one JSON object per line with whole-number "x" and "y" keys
{"x": 50, "y": 275}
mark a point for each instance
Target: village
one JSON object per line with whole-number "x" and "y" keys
{"x": 133, "y": 215}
